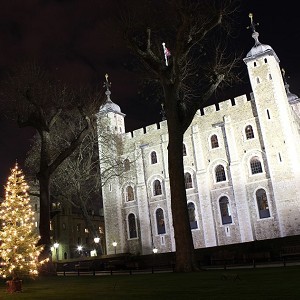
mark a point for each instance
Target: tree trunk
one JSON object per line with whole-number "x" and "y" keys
{"x": 185, "y": 259}
{"x": 44, "y": 226}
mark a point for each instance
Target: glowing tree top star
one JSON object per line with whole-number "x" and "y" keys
{"x": 18, "y": 251}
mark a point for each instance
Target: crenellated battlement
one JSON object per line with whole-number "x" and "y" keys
{"x": 223, "y": 106}
{"x": 240, "y": 100}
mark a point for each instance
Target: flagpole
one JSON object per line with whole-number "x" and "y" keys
{"x": 165, "y": 53}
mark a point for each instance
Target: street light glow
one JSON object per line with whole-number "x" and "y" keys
{"x": 115, "y": 246}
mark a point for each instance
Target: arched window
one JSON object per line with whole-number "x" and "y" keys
{"x": 160, "y": 221}
{"x": 65, "y": 255}
{"x": 157, "y": 187}
{"x": 262, "y": 204}
{"x": 130, "y": 193}
{"x": 153, "y": 158}
{"x": 249, "y": 132}
{"x": 126, "y": 164}
{"x": 225, "y": 211}
{"x": 220, "y": 173}
{"x": 255, "y": 165}
{"x": 214, "y": 141}
{"x": 132, "y": 226}
{"x": 188, "y": 180}
{"x": 183, "y": 150}
{"x": 192, "y": 215}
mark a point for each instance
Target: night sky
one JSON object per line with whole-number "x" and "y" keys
{"x": 79, "y": 42}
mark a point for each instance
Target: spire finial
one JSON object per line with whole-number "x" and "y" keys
{"x": 107, "y": 84}
{"x": 252, "y": 24}
{"x": 255, "y": 34}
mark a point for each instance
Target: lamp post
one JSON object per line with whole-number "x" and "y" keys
{"x": 115, "y": 246}
{"x": 96, "y": 240}
{"x": 56, "y": 245}
{"x": 154, "y": 250}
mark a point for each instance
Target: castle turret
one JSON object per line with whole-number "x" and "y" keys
{"x": 111, "y": 112}
{"x": 110, "y": 124}
{"x": 278, "y": 131}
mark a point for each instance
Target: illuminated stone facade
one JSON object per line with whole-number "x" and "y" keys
{"x": 242, "y": 169}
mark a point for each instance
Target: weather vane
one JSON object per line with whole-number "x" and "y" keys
{"x": 252, "y": 25}
{"x": 107, "y": 84}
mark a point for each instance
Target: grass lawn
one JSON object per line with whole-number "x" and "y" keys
{"x": 269, "y": 283}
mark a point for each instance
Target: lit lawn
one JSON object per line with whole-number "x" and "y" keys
{"x": 270, "y": 283}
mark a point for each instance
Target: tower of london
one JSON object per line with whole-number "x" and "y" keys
{"x": 242, "y": 169}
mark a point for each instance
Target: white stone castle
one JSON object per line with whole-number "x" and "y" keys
{"x": 242, "y": 169}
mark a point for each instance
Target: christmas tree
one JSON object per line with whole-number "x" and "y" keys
{"x": 18, "y": 239}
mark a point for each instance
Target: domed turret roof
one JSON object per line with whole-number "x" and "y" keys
{"x": 258, "y": 49}
{"x": 108, "y": 105}
{"x": 292, "y": 98}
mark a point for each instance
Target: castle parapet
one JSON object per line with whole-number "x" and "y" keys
{"x": 225, "y": 104}
{"x": 209, "y": 109}
{"x": 152, "y": 127}
{"x": 138, "y": 132}
{"x": 240, "y": 100}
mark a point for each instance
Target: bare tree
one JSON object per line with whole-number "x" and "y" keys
{"x": 34, "y": 100}
{"x": 189, "y": 68}
{"x": 77, "y": 180}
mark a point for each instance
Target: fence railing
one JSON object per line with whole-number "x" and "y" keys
{"x": 92, "y": 272}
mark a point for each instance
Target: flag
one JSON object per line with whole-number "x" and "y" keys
{"x": 167, "y": 52}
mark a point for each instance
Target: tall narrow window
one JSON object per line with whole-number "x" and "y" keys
{"x": 249, "y": 132}
{"x": 220, "y": 173}
{"x": 157, "y": 187}
{"x": 188, "y": 180}
{"x": 160, "y": 221}
{"x": 132, "y": 226}
{"x": 153, "y": 158}
{"x": 214, "y": 141}
{"x": 268, "y": 114}
{"x": 255, "y": 165}
{"x": 183, "y": 150}
{"x": 225, "y": 211}
{"x": 126, "y": 164}
{"x": 130, "y": 193}
{"x": 192, "y": 215}
{"x": 262, "y": 204}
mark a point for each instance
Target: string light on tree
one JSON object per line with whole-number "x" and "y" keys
{"x": 18, "y": 239}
